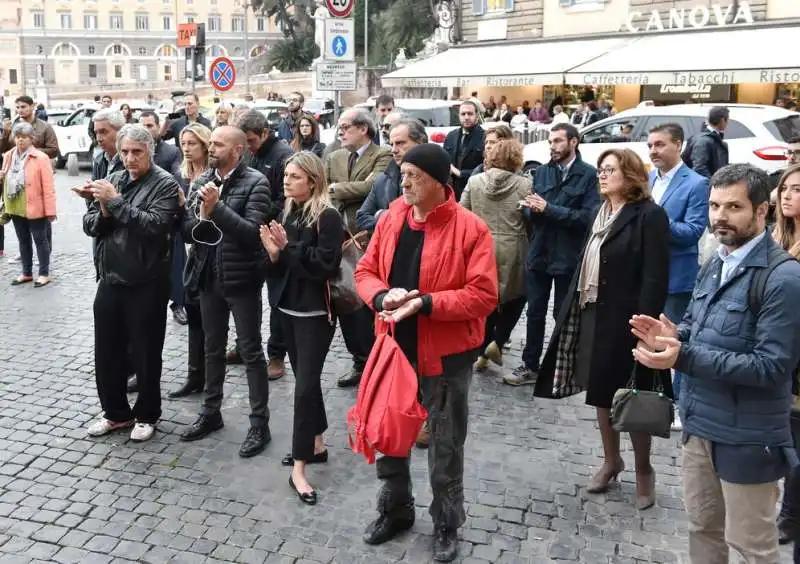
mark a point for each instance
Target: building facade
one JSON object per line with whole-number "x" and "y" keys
{"x": 627, "y": 51}
{"x": 75, "y": 45}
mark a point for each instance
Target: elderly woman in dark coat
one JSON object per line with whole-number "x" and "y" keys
{"x": 624, "y": 271}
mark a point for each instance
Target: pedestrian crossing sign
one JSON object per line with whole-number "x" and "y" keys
{"x": 339, "y": 39}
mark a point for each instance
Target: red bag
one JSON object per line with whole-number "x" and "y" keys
{"x": 387, "y": 415}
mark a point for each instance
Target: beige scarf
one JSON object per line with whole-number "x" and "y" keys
{"x": 590, "y": 267}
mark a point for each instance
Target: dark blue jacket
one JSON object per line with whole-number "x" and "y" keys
{"x": 738, "y": 365}
{"x": 686, "y": 204}
{"x": 470, "y": 155}
{"x": 168, "y": 157}
{"x": 385, "y": 189}
{"x": 559, "y": 232}
{"x": 706, "y": 153}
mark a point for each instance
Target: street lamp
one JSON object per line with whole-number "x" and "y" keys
{"x": 246, "y": 51}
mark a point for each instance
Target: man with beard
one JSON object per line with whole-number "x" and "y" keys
{"x": 286, "y": 126}
{"x": 130, "y": 218}
{"x": 560, "y": 209}
{"x": 229, "y": 203}
{"x": 464, "y": 146}
{"x": 738, "y": 348}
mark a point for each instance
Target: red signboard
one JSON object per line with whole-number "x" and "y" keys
{"x": 186, "y": 31}
{"x": 340, "y": 8}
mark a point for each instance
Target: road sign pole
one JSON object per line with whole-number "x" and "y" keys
{"x": 194, "y": 68}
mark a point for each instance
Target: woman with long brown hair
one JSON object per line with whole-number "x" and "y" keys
{"x": 787, "y": 211}
{"x": 624, "y": 271}
{"x": 305, "y": 250}
{"x": 306, "y": 136}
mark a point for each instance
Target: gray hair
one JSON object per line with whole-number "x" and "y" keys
{"x": 22, "y": 128}
{"x": 114, "y": 118}
{"x": 362, "y": 118}
{"x": 138, "y": 134}
{"x": 416, "y": 131}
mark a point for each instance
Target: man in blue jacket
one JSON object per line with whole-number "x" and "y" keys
{"x": 684, "y": 196}
{"x": 564, "y": 200}
{"x": 738, "y": 353}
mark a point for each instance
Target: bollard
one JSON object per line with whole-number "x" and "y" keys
{"x": 72, "y": 165}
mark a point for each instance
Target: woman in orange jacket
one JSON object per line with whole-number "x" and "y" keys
{"x": 30, "y": 200}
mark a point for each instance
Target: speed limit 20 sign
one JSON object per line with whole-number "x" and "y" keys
{"x": 340, "y": 8}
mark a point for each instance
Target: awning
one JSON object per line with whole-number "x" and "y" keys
{"x": 537, "y": 62}
{"x": 754, "y": 55}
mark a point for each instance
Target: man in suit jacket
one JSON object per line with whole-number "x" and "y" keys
{"x": 351, "y": 171}
{"x": 683, "y": 194}
{"x": 465, "y": 146}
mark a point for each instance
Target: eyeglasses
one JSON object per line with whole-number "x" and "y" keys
{"x": 606, "y": 171}
{"x": 344, "y": 127}
{"x": 792, "y": 152}
{"x": 293, "y": 99}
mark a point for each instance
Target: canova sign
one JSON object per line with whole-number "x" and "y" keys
{"x": 698, "y": 17}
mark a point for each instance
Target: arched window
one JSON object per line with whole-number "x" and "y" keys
{"x": 65, "y": 50}
{"x": 166, "y": 52}
{"x": 117, "y": 50}
{"x": 216, "y": 51}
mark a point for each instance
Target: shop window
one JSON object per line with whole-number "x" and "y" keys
{"x": 118, "y": 71}
{"x": 617, "y": 131}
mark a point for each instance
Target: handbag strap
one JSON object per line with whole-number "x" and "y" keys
{"x": 657, "y": 387}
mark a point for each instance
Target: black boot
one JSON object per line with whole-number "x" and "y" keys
{"x": 193, "y": 385}
{"x": 204, "y": 426}
{"x": 257, "y": 440}
{"x": 445, "y": 544}
{"x": 352, "y": 378}
{"x": 388, "y": 526}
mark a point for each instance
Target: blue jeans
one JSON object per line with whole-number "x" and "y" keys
{"x": 537, "y": 286}
{"x": 674, "y": 309}
{"x": 35, "y": 229}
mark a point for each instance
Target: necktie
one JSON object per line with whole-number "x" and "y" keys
{"x": 351, "y": 163}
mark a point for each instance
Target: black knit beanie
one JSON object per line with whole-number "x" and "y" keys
{"x": 432, "y": 159}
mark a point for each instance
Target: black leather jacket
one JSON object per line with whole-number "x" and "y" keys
{"x": 270, "y": 160}
{"x": 133, "y": 245}
{"x": 237, "y": 262}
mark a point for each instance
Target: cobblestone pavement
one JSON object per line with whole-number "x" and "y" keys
{"x": 67, "y": 498}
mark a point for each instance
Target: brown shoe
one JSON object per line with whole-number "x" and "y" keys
{"x": 424, "y": 437}
{"x": 275, "y": 369}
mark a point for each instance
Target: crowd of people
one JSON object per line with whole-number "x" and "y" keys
{"x": 456, "y": 244}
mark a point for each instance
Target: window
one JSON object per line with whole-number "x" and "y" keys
{"x": 142, "y": 72}
{"x": 92, "y": 71}
{"x": 167, "y": 2}
{"x": 12, "y": 76}
{"x": 783, "y": 129}
{"x": 65, "y": 50}
{"x": 213, "y": 2}
{"x": 214, "y": 23}
{"x": 115, "y": 21}
{"x": 237, "y": 24}
{"x": 261, "y": 24}
{"x": 91, "y": 49}
{"x": 618, "y": 131}
{"x": 142, "y": 22}
{"x": 166, "y": 22}
{"x": 189, "y": 18}
{"x": 168, "y": 73}
{"x": 166, "y": 51}
{"x": 66, "y": 21}
{"x": 737, "y": 130}
{"x": 90, "y": 21}
{"x": 499, "y": 5}
{"x": 216, "y": 51}
{"x": 118, "y": 70}
{"x": 143, "y": 51}
{"x": 237, "y": 51}
{"x": 39, "y": 50}
{"x": 38, "y": 20}
{"x": 116, "y": 49}
{"x": 684, "y": 121}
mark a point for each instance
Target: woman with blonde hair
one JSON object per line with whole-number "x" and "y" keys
{"x": 494, "y": 196}
{"x": 223, "y": 115}
{"x": 194, "y": 141}
{"x": 623, "y": 271}
{"x": 305, "y": 250}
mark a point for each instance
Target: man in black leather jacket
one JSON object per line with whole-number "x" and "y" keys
{"x": 130, "y": 217}
{"x": 706, "y": 152}
{"x": 225, "y": 265}
{"x": 268, "y": 155}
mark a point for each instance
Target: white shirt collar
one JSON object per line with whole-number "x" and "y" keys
{"x": 363, "y": 149}
{"x": 670, "y": 174}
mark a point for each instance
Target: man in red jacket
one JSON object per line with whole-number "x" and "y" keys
{"x": 430, "y": 267}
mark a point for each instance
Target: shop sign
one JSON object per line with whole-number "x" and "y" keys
{"x": 670, "y": 92}
{"x": 466, "y": 81}
{"x": 698, "y": 17}
{"x": 686, "y": 79}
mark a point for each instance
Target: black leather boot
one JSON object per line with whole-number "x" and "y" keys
{"x": 204, "y": 426}
{"x": 445, "y": 544}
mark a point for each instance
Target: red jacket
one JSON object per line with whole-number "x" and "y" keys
{"x": 457, "y": 269}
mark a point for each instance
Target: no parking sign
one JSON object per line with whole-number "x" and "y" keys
{"x": 222, "y": 74}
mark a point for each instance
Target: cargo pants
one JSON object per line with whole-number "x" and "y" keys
{"x": 446, "y": 398}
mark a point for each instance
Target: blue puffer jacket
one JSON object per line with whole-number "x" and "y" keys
{"x": 738, "y": 365}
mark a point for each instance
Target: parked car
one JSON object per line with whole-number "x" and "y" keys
{"x": 322, "y": 109}
{"x": 272, "y": 110}
{"x": 756, "y": 134}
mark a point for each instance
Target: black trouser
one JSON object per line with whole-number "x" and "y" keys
{"x": 35, "y": 229}
{"x": 308, "y": 340}
{"x": 177, "y": 292}
{"x": 197, "y": 348}
{"x": 358, "y": 330}
{"x": 246, "y": 309}
{"x": 446, "y": 398}
{"x": 135, "y": 317}
{"x": 538, "y": 285}
{"x": 2, "y": 238}
{"x": 277, "y": 344}
{"x": 502, "y": 321}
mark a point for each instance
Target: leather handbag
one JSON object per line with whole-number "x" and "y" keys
{"x": 343, "y": 297}
{"x": 641, "y": 411}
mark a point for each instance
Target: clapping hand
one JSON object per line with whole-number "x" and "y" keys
{"x": 103, "y": 191}
{"x": 399, "y": 304}
{"x": 273, "y": 237}
{"x": 209, "y": 196}
{"x": 647, "y": 329}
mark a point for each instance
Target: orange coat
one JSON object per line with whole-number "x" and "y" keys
{"x": 40, "y": 194}
{"x": 457, "y": 269}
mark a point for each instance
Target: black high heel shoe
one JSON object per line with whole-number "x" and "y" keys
{"x": 307, "y": 498}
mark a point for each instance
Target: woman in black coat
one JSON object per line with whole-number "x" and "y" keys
{"x": 306, "y": 136}
{"x": 624, "y": 270}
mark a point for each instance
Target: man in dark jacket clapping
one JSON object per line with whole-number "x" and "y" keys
{"x": 226, "y": 207}
{"x": 130, "y": 216}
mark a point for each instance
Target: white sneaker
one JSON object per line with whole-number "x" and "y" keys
{"x": 677, "y": 425}
{"x": 142, "y": 432}
{"x": 104, "y": 426}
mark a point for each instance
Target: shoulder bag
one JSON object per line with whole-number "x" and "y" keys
{"x": 641, "y": 411}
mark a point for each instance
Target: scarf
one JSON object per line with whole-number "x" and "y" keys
{"x": 16, "y": 174}
{"x": 590, "y": 267}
